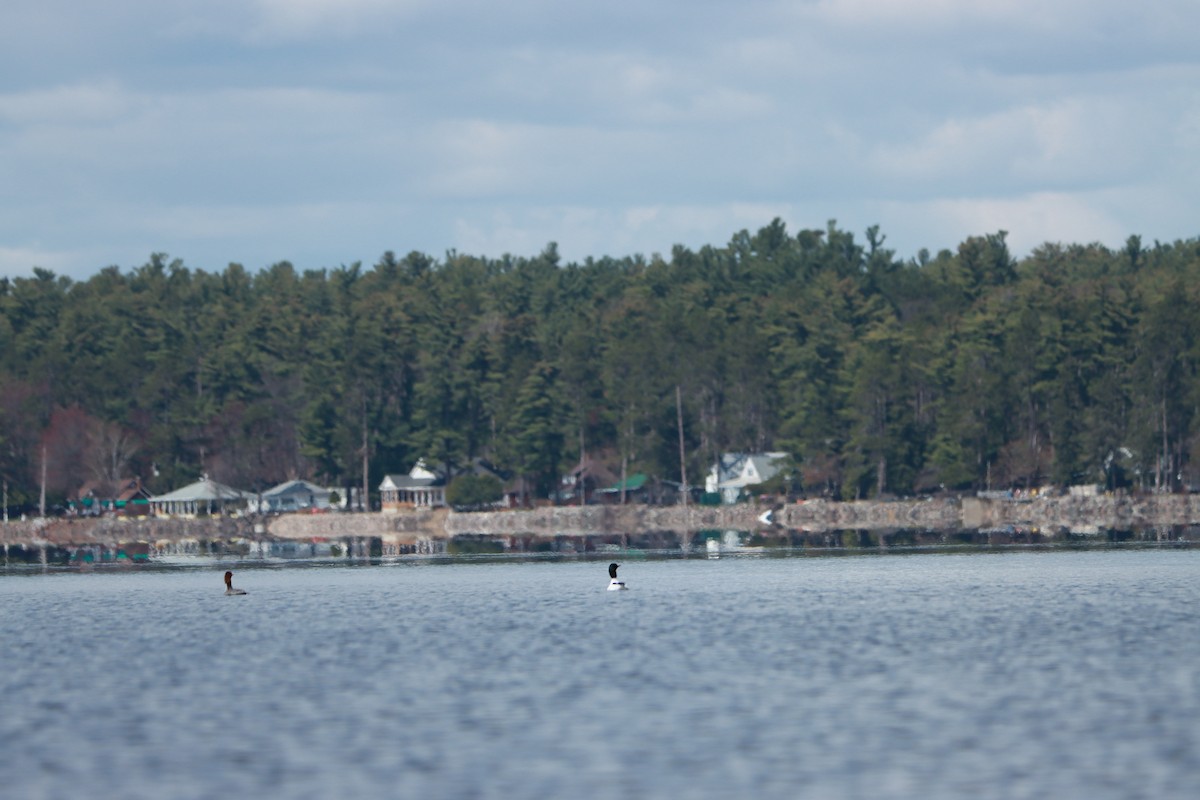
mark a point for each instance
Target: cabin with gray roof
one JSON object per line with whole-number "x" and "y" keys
{"x": 205, "y": 496}
{"x": 294, "y": 495}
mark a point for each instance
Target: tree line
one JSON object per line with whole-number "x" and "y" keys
{"x": 965, "y": 369}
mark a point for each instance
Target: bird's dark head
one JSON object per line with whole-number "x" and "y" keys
{"x": 229, "y": 577}
{"x": 612, "y": 570}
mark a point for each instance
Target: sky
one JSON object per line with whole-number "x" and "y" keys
{"x": 326, "y": 132}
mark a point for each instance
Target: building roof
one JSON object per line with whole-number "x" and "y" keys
{"x": 120, "y": 489}
{"x": 421, "y": 476}
{"x": 203, "y": 490}
{"x": 631, "y": 484}
{"x": 739, "y": 470}
{"x": 409, "y": 482}
{"x": 591, "y": 469}
{"x": 295, "y": 487}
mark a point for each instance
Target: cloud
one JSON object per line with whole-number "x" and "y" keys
{"x": 325, "y": 132}
{"x": 583, "y": 231}
{"x": 306, "y": 18}
{"x": 923, "y": 13}
{"x": 1077, "y": 142}
{"x": 247, "y": 142}
{"x": 85, "y": 104}
{"x": 1031, "y": 219}
{"x": 20, "y": 261}
{"x": 1014, "y": 37}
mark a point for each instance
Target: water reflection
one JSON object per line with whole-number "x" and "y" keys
{"x": 712, "y": 544}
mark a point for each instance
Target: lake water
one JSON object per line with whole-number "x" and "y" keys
{"x": 1019, "y": 674}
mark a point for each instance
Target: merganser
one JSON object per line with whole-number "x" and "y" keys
{"x": 615, "y": 585}
{"x": 229, "y": 585}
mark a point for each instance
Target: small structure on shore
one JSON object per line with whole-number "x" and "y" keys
{"x": 292, "y": 496}
{"x": 632, "y": 489}
{"x": 420, "y": 488}
{"x": 205, "y": 496}
{"x": 736, "y": 471}
{"x": 100, "y": 496}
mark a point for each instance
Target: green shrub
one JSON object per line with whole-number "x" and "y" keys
{"x": 474, "y": 491}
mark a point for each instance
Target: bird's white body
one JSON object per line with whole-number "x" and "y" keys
{"x": 614, "y": 585}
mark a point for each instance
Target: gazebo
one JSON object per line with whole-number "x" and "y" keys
{"x": 420, "y": 488}
{"x": 203, "y": 496}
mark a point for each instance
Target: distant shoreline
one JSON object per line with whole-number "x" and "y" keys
{"x": 1042, "y": 519}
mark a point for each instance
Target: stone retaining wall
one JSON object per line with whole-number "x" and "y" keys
{"x": 585, "y": 520}
{"x": 949, "y": 514}
{"x": 107, "y": 530}
{"x": 1103, "y": 511}
{"x": 409, "y": 527}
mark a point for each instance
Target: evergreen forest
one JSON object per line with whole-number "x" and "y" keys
{"x": 965, "y": 369}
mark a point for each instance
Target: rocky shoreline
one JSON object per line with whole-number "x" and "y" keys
{"x": 1041, "y": 516}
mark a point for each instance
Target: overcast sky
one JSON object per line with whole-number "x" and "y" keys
{"x": 325, "y": 132}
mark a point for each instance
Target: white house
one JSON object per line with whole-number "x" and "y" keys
{"x": 735, "y": 471}
{"x": 420, "y": 488}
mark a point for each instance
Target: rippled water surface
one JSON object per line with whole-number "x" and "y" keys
{"x": 1024, "y": 674}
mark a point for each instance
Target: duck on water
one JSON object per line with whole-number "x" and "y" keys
{"x": 229, "y": 585}
{"x": 614, "y": 585}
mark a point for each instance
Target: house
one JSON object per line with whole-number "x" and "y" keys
{"x": 736, "y": 471}
{"x": 202, "y": 497}
{"x": 99, "y": 496}
{"x": 580, "y": 485}
{"x": 420, "y": 488}
{"x": 292, "y": 496}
